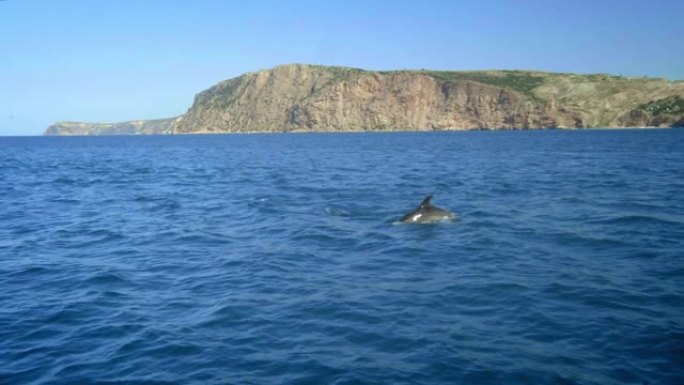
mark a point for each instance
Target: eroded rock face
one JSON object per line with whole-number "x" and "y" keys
{"x": 419, "y": 102}
{"x": 301, "y": 97}
{"x": 261, "y": 101}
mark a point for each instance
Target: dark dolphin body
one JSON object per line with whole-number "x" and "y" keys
{"x": 427, "y": 213}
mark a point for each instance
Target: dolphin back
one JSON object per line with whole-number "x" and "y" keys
{"x": 427, "y": 213}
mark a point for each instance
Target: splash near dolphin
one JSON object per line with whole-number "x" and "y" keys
{"x": 427, "y": 213}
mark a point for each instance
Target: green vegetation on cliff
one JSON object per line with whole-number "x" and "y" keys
{"x": 520, "y": 81}
{"x": 673, "y": 105}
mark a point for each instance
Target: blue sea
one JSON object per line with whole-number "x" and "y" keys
{"x": 278, "y": 259}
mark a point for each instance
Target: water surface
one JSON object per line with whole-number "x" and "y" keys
{"x": 261, "y": 259}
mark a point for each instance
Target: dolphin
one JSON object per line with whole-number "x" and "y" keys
{"x": 427, "y": 213}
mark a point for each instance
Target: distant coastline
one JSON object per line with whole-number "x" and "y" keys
{"x": 309, "y": 98}
{"x": 304, "y": 132}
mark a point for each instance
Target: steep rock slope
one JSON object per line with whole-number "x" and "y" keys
{"x": 312, "y": 98}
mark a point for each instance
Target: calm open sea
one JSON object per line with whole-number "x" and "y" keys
{"x": 276, "y": 259}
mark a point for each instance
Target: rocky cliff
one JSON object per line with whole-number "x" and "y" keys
{"x": 302, "y": 97}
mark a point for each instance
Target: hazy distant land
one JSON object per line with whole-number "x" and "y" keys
{"x": 300, "y": 97}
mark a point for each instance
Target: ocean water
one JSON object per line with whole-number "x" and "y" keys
{"x": 276, "y": 259}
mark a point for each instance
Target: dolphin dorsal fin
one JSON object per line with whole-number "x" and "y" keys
{"x": 426, "y": 201}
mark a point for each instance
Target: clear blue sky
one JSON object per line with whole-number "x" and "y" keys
{"x": 116, "y": 60}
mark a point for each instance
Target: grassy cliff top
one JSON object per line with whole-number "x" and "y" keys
{"x": 534, "y": 84}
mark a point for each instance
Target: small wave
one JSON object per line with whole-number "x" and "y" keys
{"x": 200, "y": 238}
{"x": 337, "y": 212}
{"x": 77, "y": 240}
{"x": 166, "y": 206}
{"x": 134, "y": 381}
{"x": 179, "y": 350}
{"x": 156, "y": 204}
{"x": 63, "y": 180}
{"x": 106, "y": 278}
{"x": 144, "y": 198}
{"x": 224, "y": 314}
{"x": 641, "y": 219}
{"x": 436, "y": 222}
{"x": 65, "y": 201}
{"x": 32, "y": 271}
{"x": 318, "y": 237}
{"x": 73, "y": 314}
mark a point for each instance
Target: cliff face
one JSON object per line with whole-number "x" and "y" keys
{"x": 137, "y": 127}
{"x": 404, "y": 101}
{"x": 311, "y": 98}
{"x": 314, "y": 98}
{"x": 301, "y": 97}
